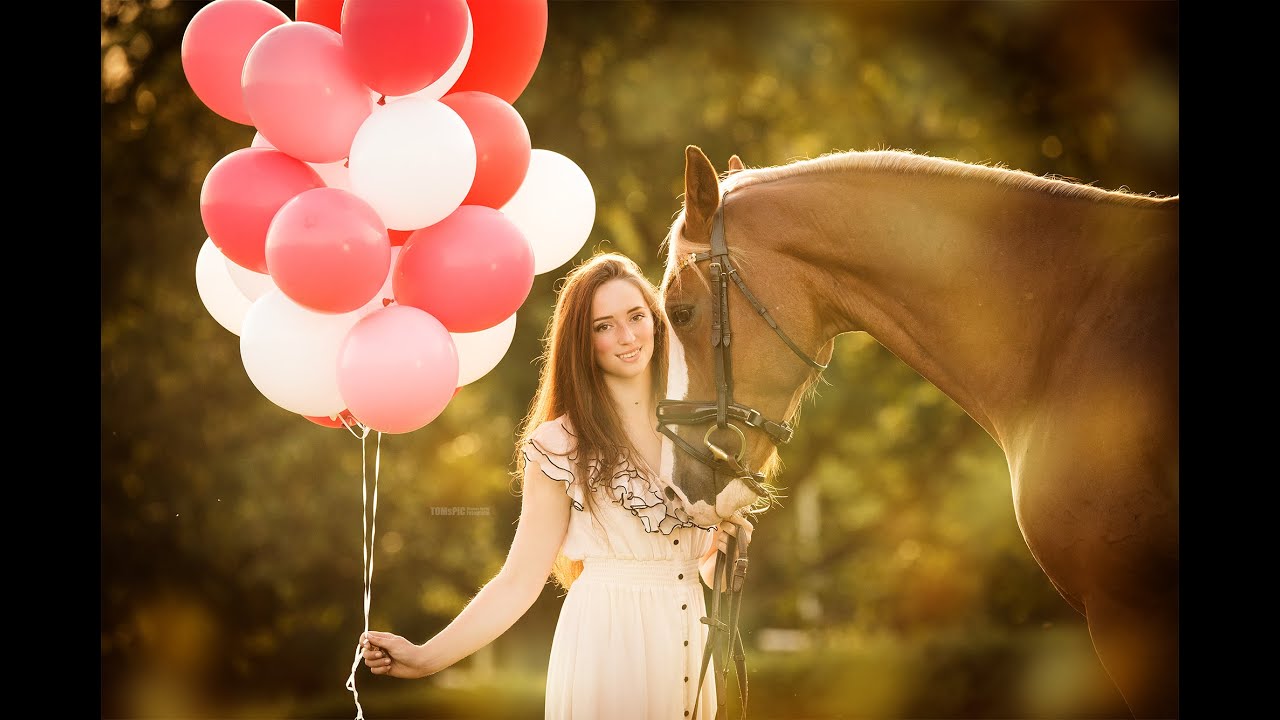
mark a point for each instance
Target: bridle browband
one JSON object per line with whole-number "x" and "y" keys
{"x": 685, "y": 412}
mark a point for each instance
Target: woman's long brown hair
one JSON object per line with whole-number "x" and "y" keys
{"x": 570, "y": 383}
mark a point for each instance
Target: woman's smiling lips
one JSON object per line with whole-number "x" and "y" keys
{"x": 631, "y": 356}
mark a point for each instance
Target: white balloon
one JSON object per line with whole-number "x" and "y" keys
{"x": 440, "y": 87}
{"x": 224, "y": 301}
{"x": 554, "y": 207}
{"x": 334, "y": 174}
{"x": 479, "y": 352}
{"x": 413, "y": 161}
{"x": 252, "y": 283}
{"x": 291, "y": 354}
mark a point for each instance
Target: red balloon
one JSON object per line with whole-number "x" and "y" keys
{"x": 502, "y": 146}
{"x": 333, "y": 422}
{"x": 400, "y": 47}
{"x": 214, "y": 47}
{"x": 328, "y": 250}
{"x": 324, "y": 421}
{"x": 303, "y": 95}
{"x": 321, "y": 12}
{"x": 508, "y": 36}
{"x": 242, "y": 192}
{"x": 470, "y": 271}
{"x": 398, "y": 237}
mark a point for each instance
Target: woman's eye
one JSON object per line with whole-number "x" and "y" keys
{"x": 681, "y": 315}
{"x": 602, "y": 328}
{"x": 637, "y": 317}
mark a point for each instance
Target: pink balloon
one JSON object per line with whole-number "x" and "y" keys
{"x": 400, "y": 47}
{"x": 303, "y": 95}
{"x": 242, "y": 192}
{"x": 328, "y": 250}
{"x": 214, "y": 47}
{"x": 471, "y": 270}
{"x": 502, "y": 146}
{"x": 397, "y": 369}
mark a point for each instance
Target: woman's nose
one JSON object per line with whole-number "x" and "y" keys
{"x": 628, "y": 336}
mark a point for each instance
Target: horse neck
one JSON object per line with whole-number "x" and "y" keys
{"x": 974, "y": 285}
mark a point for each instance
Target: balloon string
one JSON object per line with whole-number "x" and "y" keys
{"x": 369, "y": 525}
{"x": 353, "y": 426}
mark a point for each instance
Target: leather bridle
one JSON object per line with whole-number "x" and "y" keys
{"x": 723, "y": 622}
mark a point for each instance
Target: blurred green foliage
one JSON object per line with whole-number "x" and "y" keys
{"x": 894, "y": 582}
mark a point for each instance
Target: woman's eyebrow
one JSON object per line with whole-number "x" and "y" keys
{"x": 606, "y": 317}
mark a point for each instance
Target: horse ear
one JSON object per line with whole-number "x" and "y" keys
{"x": 701, "y": 190}
{"x": 735, "y": 164}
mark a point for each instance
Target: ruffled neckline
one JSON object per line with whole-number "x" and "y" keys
{"x": 554, "y": 447}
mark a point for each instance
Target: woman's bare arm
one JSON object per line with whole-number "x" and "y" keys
{"x": 544, "y": 521}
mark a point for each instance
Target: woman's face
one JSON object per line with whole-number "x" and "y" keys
{"x": 621, "y": 329}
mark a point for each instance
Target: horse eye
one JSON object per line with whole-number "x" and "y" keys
{"x": 681, "y": 315}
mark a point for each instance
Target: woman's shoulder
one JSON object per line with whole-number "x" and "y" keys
{"x": 551, "y": 447}
{"x": 554, "y": 436}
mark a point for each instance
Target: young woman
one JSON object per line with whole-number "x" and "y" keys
{"x": 597, "y": 515}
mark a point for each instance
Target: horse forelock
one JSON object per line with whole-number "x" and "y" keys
{"x": 678, "y": 246}
{"x": 674, "y": 242}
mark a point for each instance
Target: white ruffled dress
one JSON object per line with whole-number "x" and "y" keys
{"x": 629, "y": 643}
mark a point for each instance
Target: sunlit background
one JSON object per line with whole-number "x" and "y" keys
{"x": 893, "y": 582}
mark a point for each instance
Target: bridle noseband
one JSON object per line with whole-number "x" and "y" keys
{"x": 685, "y": 412}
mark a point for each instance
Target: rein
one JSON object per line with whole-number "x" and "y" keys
{"x": 730, "y": 636}
{"x": 724, "y": 638}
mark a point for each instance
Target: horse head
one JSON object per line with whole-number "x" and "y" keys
{"x": 731, "y": 390}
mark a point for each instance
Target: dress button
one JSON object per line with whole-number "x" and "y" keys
{"x": 684, "y": 606}
{"x": 686, "y": 713}
{"x": 675, "y": 542}
{"x": 686, "y": 678}
{"x": 680, "y": 576}
{"x": 686, "y": 642}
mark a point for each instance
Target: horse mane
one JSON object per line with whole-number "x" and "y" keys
{"x": 905, "y": 162}
{"x": 908, "y": 162}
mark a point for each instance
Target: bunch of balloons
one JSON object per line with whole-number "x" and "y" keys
{"x": 371, "y": 246}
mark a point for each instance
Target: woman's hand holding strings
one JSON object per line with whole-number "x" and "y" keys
{"x": 389, "y": 654}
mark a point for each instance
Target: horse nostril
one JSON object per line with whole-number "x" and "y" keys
{"x": 671, "y": 494}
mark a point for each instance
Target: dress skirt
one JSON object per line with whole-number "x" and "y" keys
{"x": 629, "y": 643}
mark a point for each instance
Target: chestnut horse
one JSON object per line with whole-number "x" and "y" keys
{"x": 1046, "y": 309}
